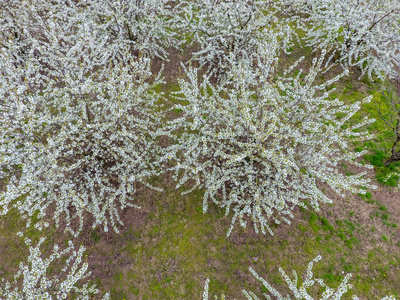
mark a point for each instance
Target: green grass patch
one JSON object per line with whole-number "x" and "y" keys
{"x": 95, "y": 235}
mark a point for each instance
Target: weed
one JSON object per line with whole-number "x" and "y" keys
{"x": 177, "y": 110}
{"x": 359, "y": 149}
{"x": 326, "y": 225}
{"x": 302, "y": 228}
{"x": 98, "y": 282}
{"x": 350, "y": 242}
{"x": 382, "y": 207}
{"x": 134, "y": 290}
{"x": 189, "y": 285}
{"x": 95, "y": 235}
{"x": 351, "y": 227}
{"x": 363, "y": 286}
{"x": 137, "y": 234}
{"x": 277, "y": 280}
{"x": 264, "y": 289}
{"x": 284, "y": 244}
{"x": 312, "y": 222}
{"x": 347, "y": 268}
{"x": 330, "y": 279}
{"x": 118, "y": 276}
{"x": 118, "y": 294}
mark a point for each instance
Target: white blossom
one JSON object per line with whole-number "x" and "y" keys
{"x": 299, "y": 291}
{"x": 35, "y": 284}
{"x": 76, "y": 121}
{"x": 252, "y": 30}
{"x": 260, "y": 150}
{"x": 144, "y": 26}
{"x": 361, "y": 33}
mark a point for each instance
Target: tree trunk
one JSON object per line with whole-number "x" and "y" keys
{"x": 395, "y": 155}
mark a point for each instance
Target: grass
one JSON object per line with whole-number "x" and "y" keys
{"x": 379, "y": 148}
{"x": 191, "y": 241}
{"x": 96, "y": 236}
{"x": 171, "y": 254}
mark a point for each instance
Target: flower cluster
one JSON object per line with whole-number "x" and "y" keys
{"x": 263, "y": 147}
{"x": 146, "y": 27}
{"x": 36, "y": 283}
{"x": 361, "y": 33}
{"x": 252, "y": 30}
{"x": 299, "y": 291}
{"x": 77, "y": 121}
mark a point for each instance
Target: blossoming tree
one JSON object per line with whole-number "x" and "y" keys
{"x": 32, "y": 282}
{"x": 147, "y": 27}
{"x": 76, "y": 122}
{"x": 13, "y": 26}
{"x": 254, "y": 30}
{"x": 261, "y": 148}
{"x": 299, "y": 291}
{"x": 361, "y": 33}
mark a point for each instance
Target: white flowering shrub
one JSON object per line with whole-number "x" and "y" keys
{"x": 254, "y": 30}
{"x": 32, "y": 281}
{"x": 145, "y": 26}
{"x": 260, "y": 150}
{"x": 357, "y": 33}
{"x": 299, "y": 291}
{"x": 13, "y": 26}
{"x": 76, "y": 123}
